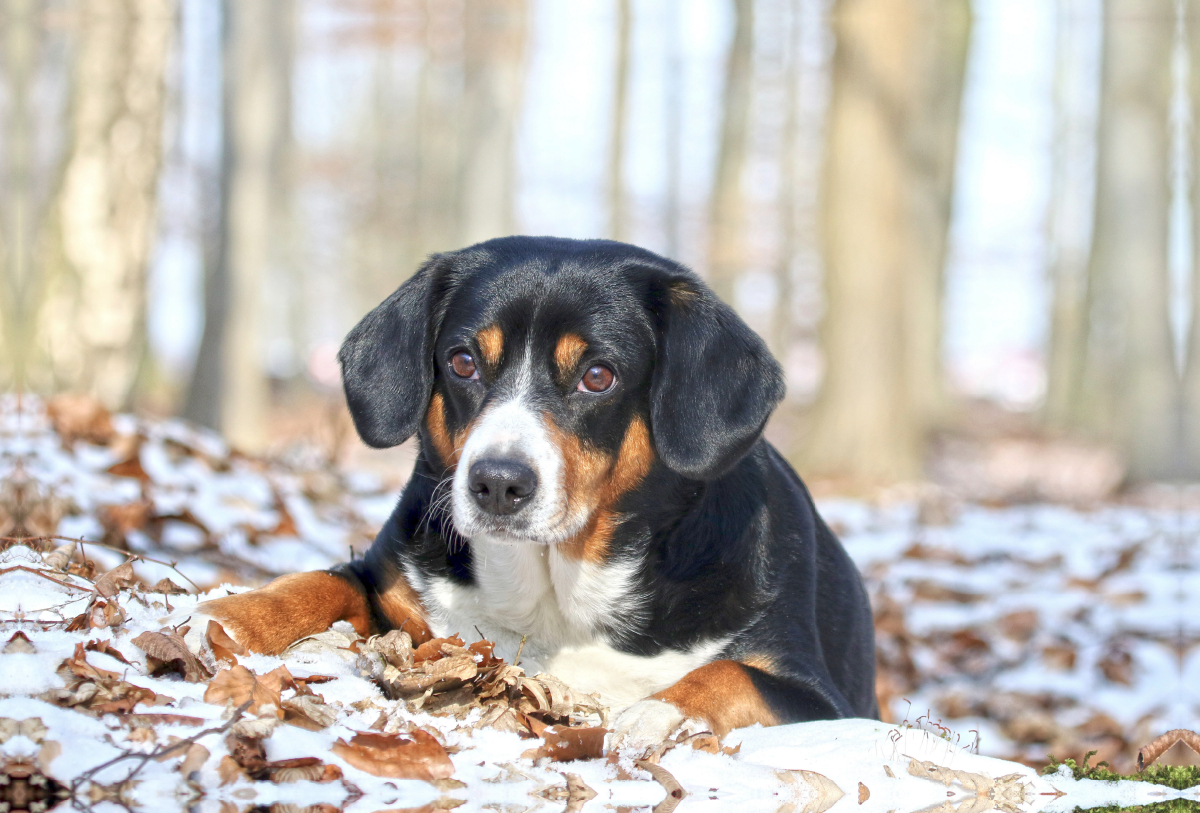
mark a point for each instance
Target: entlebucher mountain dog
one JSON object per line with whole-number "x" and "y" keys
{"x": 592, "y": 479}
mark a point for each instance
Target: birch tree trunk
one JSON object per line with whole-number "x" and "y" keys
{"x": 898, "y": 72}
{"x": 1130, "y": 389}
{"x": 91, "y": 321}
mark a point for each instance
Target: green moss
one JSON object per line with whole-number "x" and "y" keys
{"x": 1179, "y": 777}
{"x": 1173, "y": 806}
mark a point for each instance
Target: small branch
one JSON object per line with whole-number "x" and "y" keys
{"x": 675, "y": 791}
{"x": 132, "y": 554}
{"x": 162, "y": 751}
{"x": 1154, "y": 749}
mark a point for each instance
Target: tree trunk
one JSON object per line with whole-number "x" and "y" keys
{"x": 230, "y": 380}
{"x": 1130, "y": 389}
{"x": 494, "y": 54}
{"x": 1067, "y": 229}
{"x": 893, "y": 119}
{"x": 726, "y": 224}
{"x": 92, "y": 320}
{"x": 617, "y": 208}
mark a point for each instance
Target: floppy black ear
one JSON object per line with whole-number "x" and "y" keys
{"x": 387, "y": 363}
{"x": 715, "y": 382}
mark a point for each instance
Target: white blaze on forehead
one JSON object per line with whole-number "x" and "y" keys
{"x": 513, "y": 430}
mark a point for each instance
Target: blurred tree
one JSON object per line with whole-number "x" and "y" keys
{"x": 892, "y": 129}
{"x": 1068, "y": 231}
{"x": 229, "y": 385}
{"x": 1190, "y": 397}
{"x": 1127, "y": 389}
{"x": 494, "y": 63}
{"x": 617, "y": 209}
{"x": 726, "y": 254}
{"x": 96, "y": 245}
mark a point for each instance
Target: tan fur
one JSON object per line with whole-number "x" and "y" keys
{"x": 271, "y": 618}
{"x": 681, "y": 293}
{"x": 491, "y": 344}
{"x": 594, "y": 481}
{"x": 435, "y": 421}
{"x": 567, "y": 353}
{"x": 722, "y": 694}
{"x": 399, "y": 603}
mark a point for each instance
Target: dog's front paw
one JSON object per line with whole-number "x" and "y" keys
{"x": 644, "y": 725}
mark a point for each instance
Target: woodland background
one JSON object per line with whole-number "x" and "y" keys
{"x": 967, "y": 229}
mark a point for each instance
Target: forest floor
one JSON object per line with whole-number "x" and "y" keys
{"x": 1017, "y": 631}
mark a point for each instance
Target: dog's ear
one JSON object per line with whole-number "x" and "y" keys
{"x": 387, "y": 362}
{"x": 715, "y": 382}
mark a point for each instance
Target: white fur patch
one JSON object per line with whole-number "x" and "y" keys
{"x": 558, "y": 605}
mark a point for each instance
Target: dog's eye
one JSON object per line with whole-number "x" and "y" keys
{"x": 597, "y": 379}
{"x": 463, "y": 365}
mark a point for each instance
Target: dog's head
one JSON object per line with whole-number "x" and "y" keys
{"x": 547, "y": 376}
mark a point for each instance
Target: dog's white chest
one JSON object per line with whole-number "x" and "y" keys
{"x": 558, "y": 606}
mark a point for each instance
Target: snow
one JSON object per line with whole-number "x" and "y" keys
{"x": 1115, "y": 578}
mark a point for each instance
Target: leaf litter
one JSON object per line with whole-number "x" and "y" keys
{"x": 178, "y": 505}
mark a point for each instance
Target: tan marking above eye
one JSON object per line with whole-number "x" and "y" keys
{"x": 567, "y": 353}
{"x": 491, "y": 344}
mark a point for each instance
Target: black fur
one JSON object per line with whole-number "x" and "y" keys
{"x": 728, "y": 538}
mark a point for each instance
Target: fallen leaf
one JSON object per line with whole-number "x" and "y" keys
{"x": 432, "y": 649}
{"x": 193, "y": 759}
{"x": 77, "y": 664}
{"x": 168, "y": 588}
{"x": 117, "y": 579}
{"x": 564, "y": 744}
{"x": 864, "y": 793}
{"x": 19, "y": 644}
{"x": 237, "y": 685}
{"x": 106, "y": 648}
{"x": 249, "y": 755}
{"x": 415, "y": 756}
{"x": 308, "y": 709}
{"x": 223, "y": 647}
{"x": 169, "y": 651}
{"x": 80, "y": 417}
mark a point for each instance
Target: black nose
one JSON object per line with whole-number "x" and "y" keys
{"x": 501, "y": 486}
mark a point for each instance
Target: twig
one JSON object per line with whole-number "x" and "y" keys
{"x": 675, "y": 791}
{"x": 1160, "y": 745}
{"x": 161, "y": 751}
{"x": 133, "y": 554}
{"x": 517, "y": 660}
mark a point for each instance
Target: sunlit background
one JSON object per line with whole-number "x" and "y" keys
{"x": 965, "y": 228}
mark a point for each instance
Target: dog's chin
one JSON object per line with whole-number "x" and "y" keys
{"x": 474, "y": 525}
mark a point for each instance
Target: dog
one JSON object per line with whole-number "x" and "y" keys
{"x": 592, "y": 481}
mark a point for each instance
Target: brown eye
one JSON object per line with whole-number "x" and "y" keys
{"x": 463, "y": 365}
{"x": 596, "y": 379}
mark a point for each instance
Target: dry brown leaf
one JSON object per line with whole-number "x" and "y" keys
{"x": 223, "y": 647}
{"x": 229, "y": 771}
{"x": 415, "y": 756}
{"x": 193, "y": 759}
{"x": 77, "y": 664}
{"x": 168, "y": 651}
{"x": 102, "y": 613}
{"x": 130, "y": 466}
{"x": 439, "y": 675}
{"x": 116, "y": 580}
{"x": 76, "y": 416}
{"x": 106, "y": 648}
{"x": 19, "y": 644}
{"x": 308, "y": 709}
{"x": 432, "y": 649}
{"x": 395, "y": 647}
{"x": 564, "y": 744}
{"x": 237, "y": 685}
{"x": 168, "y": 588}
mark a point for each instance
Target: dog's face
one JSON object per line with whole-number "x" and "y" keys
{"x": 546, "y": 377}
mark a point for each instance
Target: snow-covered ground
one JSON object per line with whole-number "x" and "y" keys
{"x": 1042, "y": 629}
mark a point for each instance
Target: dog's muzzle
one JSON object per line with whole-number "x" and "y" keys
{"x": 501, "y": 486}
